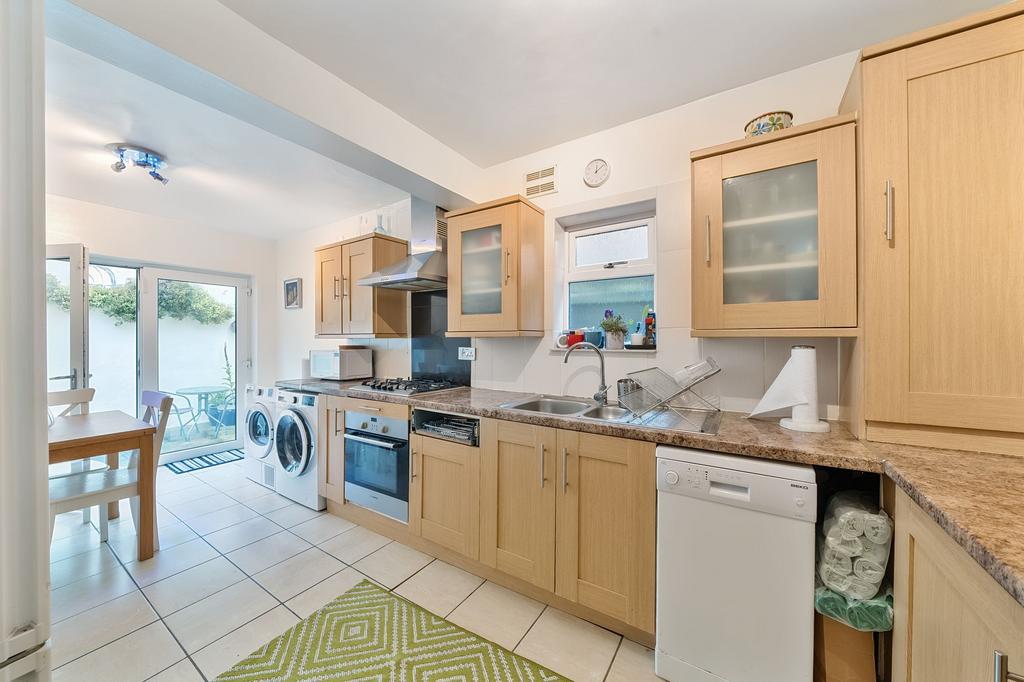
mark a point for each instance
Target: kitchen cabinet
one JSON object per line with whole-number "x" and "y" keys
{"x": 943, "y": 244}
{"x": 343, "y": 308}
{"x": 517, "y": 500}
{"x": 606, "y": 515}
{"x": 950, "y": 615}
{"x": 774, "y": 233}
{"x": 331, "y": 448}
{"x": 496, "y": 269}
{"x": 444, "y": 494}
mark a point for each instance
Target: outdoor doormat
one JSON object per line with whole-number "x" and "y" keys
{"x": 184, "y": 466}
{"x": 369, "y": 633}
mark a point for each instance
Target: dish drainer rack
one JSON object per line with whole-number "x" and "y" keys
{"x": 654, "y": 388}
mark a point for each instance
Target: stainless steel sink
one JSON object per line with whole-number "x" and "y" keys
{"x": 550, "y": 405}
{"x": 608, "y": 413}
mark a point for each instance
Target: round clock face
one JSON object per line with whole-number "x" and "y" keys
{"x": 596, "y": 172}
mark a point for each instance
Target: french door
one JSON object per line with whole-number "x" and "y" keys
{"x": 67, "y": 320}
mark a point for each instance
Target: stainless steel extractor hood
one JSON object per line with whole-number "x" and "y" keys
{"x": 422, "y": 270}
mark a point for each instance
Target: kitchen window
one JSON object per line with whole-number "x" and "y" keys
{"x": 610, "y": 267}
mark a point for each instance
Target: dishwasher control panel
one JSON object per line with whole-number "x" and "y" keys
{"x": 757, "y": 492}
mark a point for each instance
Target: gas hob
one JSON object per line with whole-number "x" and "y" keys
{"x": 404, "y": 386}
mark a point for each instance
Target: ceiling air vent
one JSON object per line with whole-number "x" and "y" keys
{"x": 539, "y": 182}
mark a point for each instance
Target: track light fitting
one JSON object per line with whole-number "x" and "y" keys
{"x": 130, "y": 155}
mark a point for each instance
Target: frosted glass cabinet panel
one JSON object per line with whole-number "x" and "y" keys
{"x": 481, "y": 270}
{"x": 770, "y": 235}
{"x": 774, "y": 234}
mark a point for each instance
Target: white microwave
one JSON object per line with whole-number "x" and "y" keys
{"x": 343, "y": 364}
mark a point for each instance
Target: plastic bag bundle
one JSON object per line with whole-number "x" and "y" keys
{"x": 853, "y": 552}
{"x": 867, "y": 615}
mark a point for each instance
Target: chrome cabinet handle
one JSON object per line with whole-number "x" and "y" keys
{"x": 707, "y": 239}
{"x": 508, "y": 267}
{"x": 337, "y": 295}
{"x": 888, "y": 210}
{"x": 369, "y": 409}
{"x": 565, "y": 469}
{"x": 344, "y": 286}
{"x": 412, "y": 465}
{"x": 1001, "y": 669}
{"x": 370, "y": 441}
{"x": 543, "y": 454}
{"x": 337, "y": 420}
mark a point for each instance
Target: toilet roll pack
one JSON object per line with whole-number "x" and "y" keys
{"x": 796, "y": 387}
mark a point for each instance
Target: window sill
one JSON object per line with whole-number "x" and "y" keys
{"x": 624, "y": 351}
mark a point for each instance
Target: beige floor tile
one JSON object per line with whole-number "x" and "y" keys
{"x": 186, "y": 511}
{"x": 192, "y": 585}
{"x": 324, "y": 592}
{"x": 570, "y": 646}
{"x": 392, "y": 563}
{"x": 242, "y": 534}
{"x": 291, "y": 515}
{"x": 66, "y": 525}
{"x": 206, "y": 621}
{"x": 248, "y": 491}
{"x": 136, "y": 657}
{"x": 84, "y": 594}
{"x": 99, "y": 626}
{"x": 233, "y": 647}
{"x": 264, "y": 553}
{"x": 79, "y": 543}
{"x": 322, "y": 528}
{"x": 125, "y": 544}
{"x": 497, "y": 614}
{"x": 167, "y": 562}
{"x": 267, "y": 503}
{"x": 220, "y": 519}
{"x": 180, "y": 497}
{"x": 81, "y": 566}
{"x": 300, "y": 572}
{"x": 633, "y": 663}
{"x": 222, "y": 477}
{"x": 354, "y": 544}
{"x": 439, "y": 587}
{"x": 182, "y": 671}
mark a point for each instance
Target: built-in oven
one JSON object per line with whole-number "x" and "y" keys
{"x": 377, "y": 463}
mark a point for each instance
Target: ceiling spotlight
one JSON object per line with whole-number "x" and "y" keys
{"x": 132, "y": 155}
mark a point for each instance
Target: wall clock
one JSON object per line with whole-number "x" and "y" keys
{"x": 596, "y": 172}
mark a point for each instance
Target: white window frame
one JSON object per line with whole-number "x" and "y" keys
{"x": 588, "y": 273}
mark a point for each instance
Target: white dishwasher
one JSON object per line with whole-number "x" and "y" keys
{"x": 735, "y": 568}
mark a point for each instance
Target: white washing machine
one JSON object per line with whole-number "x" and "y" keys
{"x": 295, "y": 427}
{"x": 258, "y": 434}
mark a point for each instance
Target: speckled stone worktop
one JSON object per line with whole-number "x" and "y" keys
{"x": 975, "y": 497}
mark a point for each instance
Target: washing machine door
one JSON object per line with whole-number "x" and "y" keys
{"x": 259, "y": 428}
{"x": 294, "y": 444}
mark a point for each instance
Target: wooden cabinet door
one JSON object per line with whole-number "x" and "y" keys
{"x": 606, "y": 525}
{"x": 517, "y": 500}
{"x": 328, "y": 291}
{"x": 774, "y": 234}
{"x": 357, "y": 262}
{"x": 331, "y": 449}
{"x": 483, "y": 270}
{"x": 945, "y": 296}
{"x": 950, "y": 614}
{"x": 444, "y": 494}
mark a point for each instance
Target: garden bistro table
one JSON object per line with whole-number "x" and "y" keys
{"x": 202, "y": 394}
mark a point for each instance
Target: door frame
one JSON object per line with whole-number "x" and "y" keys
{"x": 149, "y": 342}
{"x": 77, "y": 256}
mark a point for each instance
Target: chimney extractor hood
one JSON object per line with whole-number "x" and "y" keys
{"x": 423, "y": 270}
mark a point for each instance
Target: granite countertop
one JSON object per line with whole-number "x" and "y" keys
{"x": 973, "y": 496}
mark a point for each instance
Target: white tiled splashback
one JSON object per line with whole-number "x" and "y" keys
{"x": 748, "y": 366}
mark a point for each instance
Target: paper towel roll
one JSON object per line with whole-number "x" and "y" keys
{"x": 796, "y": 387}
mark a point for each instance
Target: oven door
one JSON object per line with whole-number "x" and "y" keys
{"x": 379, "y": 466}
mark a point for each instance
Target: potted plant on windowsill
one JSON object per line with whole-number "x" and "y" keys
{"x": 614, "y": 330}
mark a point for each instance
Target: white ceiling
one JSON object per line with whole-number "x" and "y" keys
{"x": 223, "y": 172}
{"x": 496, "y": 79}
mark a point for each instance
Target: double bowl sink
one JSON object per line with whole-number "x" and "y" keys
{"x": 570, "y": 407}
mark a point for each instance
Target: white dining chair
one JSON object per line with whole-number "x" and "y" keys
{"x": 92, "y": 488}
{"x": 74, "y": 401}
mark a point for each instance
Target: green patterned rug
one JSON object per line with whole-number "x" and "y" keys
{"x": 370, "y": 634}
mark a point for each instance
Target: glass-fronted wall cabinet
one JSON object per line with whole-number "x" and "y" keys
{"x": 774, "y": 234}
{"x": 496, "y": 269}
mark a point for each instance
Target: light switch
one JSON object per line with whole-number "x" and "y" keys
{"x": 467, "y": 353}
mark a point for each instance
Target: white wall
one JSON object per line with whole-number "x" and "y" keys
{"x": 152, "y": 240}
{"x": 295, "y": 327}
{"x": 649, "y": 158}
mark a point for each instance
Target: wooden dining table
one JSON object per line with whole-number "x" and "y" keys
{"x": 81, "y": 436}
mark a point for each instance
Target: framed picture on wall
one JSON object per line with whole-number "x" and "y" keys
{"x": 293, "y": 293}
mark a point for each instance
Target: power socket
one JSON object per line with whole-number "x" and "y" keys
{"x": 467, "y": 353}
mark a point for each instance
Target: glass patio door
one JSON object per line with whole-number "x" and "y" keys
{"x": 195, "y": 346}
{"x": 66, "y": 318}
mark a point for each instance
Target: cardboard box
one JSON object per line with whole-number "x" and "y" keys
{"x": 842, "y": 654}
